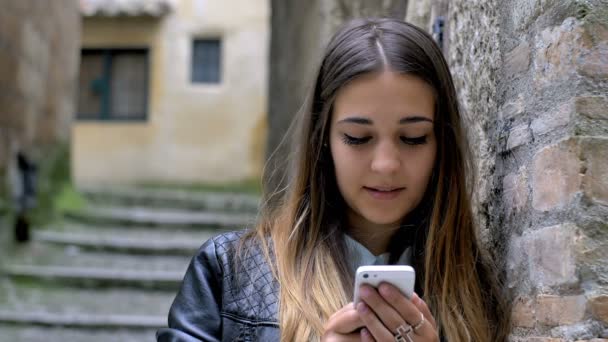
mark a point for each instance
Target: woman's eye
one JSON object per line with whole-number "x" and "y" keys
{"x": 414, "y": 141}
{"x": 349, "y": 140}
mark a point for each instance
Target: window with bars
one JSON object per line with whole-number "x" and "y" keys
{"x": 113, "y": 84}
{"x": 206, "y": 61}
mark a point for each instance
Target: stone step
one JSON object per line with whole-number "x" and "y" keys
{"x": 130, "y": 240}
{"x": 71, "y": 265}
{"x": 142, "y": 216}
{"x": 96, "y": 277}
{"x": 83, "y": 320}
{"x": 43, "y": 254}
{"x": 25, "y": 333}
{"x": 27, "y": 302}
{"x": 171, "y": 198}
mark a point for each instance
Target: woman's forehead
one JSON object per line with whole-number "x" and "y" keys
{"x": 385, "y": 96}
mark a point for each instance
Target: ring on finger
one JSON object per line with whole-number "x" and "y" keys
{"x": 403, "y": 333}
{"x": 419, "y": 324}
{"x": 407, "y": 338}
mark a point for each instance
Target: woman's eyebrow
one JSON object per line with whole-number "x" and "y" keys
{"x": 415, "y": 118}
{"x": 366, "y": 121}
{"x": 357, "y": 120}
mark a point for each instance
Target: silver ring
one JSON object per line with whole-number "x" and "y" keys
{"x": 399, "y": 338}
{"x": 420, "y": 324}
{"x": 403, "y": 333}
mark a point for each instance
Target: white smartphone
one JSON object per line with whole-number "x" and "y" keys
{"x": 402, "y": 277}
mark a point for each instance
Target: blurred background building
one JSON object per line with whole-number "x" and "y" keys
{"x": 171, "y": 91}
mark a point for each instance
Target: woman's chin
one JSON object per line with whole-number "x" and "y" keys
{"x": 384, "y": 220}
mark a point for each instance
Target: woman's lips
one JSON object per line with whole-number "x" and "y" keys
{"x": 385, "y": 193}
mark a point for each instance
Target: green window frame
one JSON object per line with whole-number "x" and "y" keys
{"x": 113, "y": 84}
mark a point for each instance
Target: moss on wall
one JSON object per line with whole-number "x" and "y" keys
{"x": 53, "y": 185}
{"x": 5, "y": 216}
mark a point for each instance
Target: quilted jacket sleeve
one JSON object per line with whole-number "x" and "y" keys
{"x": 195, "y": 313}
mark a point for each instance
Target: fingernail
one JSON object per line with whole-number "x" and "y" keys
{"x": 384, "y": 289}
{"x": 364, "y": 291}
{"x": 415, "y": 298}
{"x": 361, "y": 307}
{"x": 365, "y": 332}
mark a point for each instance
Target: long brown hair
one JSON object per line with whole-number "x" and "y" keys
{"x": 302, "y": 233}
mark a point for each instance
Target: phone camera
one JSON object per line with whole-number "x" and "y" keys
{"x": 365, "y": 275}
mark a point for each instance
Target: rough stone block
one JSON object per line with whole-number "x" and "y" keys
{"x": 588, "y": 113}
{"x": 595, "y": 180}
{"x": 525, "y": 11}
{"x": 558, "y": 50}
{"x": 551, "y": 254}
{"x": 511, "y": 109}
{"x": 544, "y": 257}
{"x": 552, "y": 120}
{"x": 595, "y": 62}
{"x": 543, "y": 339}
{"x": 518, "y": 136}
{"x": 556, "y": 310}
{"x": 555, "y": 176}
{"x": 599, "y": 307}
{"x": 591, "y": 116}
{"x": 515, "y": 190}
{"x": 579, "y": 331}
{"x": 523, "y": 314}
{"x": 592, "y": 107}
{"x": 517, "y": 60}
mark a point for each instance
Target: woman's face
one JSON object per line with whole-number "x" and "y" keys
{"x": 383, "y": 147}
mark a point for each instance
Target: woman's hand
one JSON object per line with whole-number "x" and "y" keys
{"x": 387, "y": 311}
{"x": 343, "y": 325}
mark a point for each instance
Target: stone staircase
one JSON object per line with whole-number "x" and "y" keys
{"x": 110, "y": 272}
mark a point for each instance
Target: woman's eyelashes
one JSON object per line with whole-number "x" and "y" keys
{"x": 350, "y": 140}
{"x": 414, "y": 141}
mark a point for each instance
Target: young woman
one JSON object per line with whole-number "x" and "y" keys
{"x": 379, "y": 177}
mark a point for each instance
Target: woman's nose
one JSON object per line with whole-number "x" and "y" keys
{"x": 386, "y": 158}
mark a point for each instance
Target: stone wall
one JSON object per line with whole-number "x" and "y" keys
{"x": 39, "y": 53}
{"x": 532, "y": 77}
{"x": 300, "y": 31}
{"x": 553, "y": 161}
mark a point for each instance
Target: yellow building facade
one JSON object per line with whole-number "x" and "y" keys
{"x": 176, "y": 95}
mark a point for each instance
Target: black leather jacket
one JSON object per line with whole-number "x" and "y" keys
{"x": 215, "y": 303}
